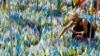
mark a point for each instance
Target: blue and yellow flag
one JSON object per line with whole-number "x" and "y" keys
{"x": 3, "y": 6}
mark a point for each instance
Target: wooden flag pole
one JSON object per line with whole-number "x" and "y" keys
{"x": 11, "y": 48}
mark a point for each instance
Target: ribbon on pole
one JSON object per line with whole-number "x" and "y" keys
{"x": 95, "y": 6}
{"x": 3, "y": 6}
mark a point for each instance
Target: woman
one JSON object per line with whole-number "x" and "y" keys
{"x": 82, "y": 27}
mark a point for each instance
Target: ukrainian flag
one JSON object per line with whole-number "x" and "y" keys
{"x": 3, "y": 6}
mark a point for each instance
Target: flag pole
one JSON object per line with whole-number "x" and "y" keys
{"x": 11, "y": 48}
{"x": 91, "y": 25}
{"x": 58, "y": 5}
{"x": 51, "y": 19}
{"x": 37, "y": 4}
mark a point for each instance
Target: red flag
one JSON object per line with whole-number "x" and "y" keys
{"x": 79, "y": 3}
{"x": 98, "y": 7}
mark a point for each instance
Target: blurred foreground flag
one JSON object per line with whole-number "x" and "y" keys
{"x": 3, "y": 6}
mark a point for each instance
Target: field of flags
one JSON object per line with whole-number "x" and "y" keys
{"x": 30, "y": 28}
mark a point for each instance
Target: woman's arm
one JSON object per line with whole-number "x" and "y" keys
{"x": 66, "y": 27}
{"x": 95, "y": 26}
{"x": 85, "y": 27}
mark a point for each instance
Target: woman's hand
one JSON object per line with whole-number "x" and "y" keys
{"x": 74, "y": 32}
{"x": 80, "y": 37}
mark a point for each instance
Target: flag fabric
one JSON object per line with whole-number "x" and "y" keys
{"x": 73, "y": 6}
{"x": 98, "y": 7}
{"x": 90, "y": 8}
{"x": 79, "y": 3}
{"x": 95, "y": 6}
{"x": 3, "y": 6}
{"x": 75, "y": 1}
{"x": 98, "y": 2}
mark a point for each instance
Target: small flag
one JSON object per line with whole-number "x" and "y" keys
{"x": 3, "y": 6}
{"x": 95, "y": 6}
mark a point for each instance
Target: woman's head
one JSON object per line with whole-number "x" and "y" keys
{"x": 73, "y": 16}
